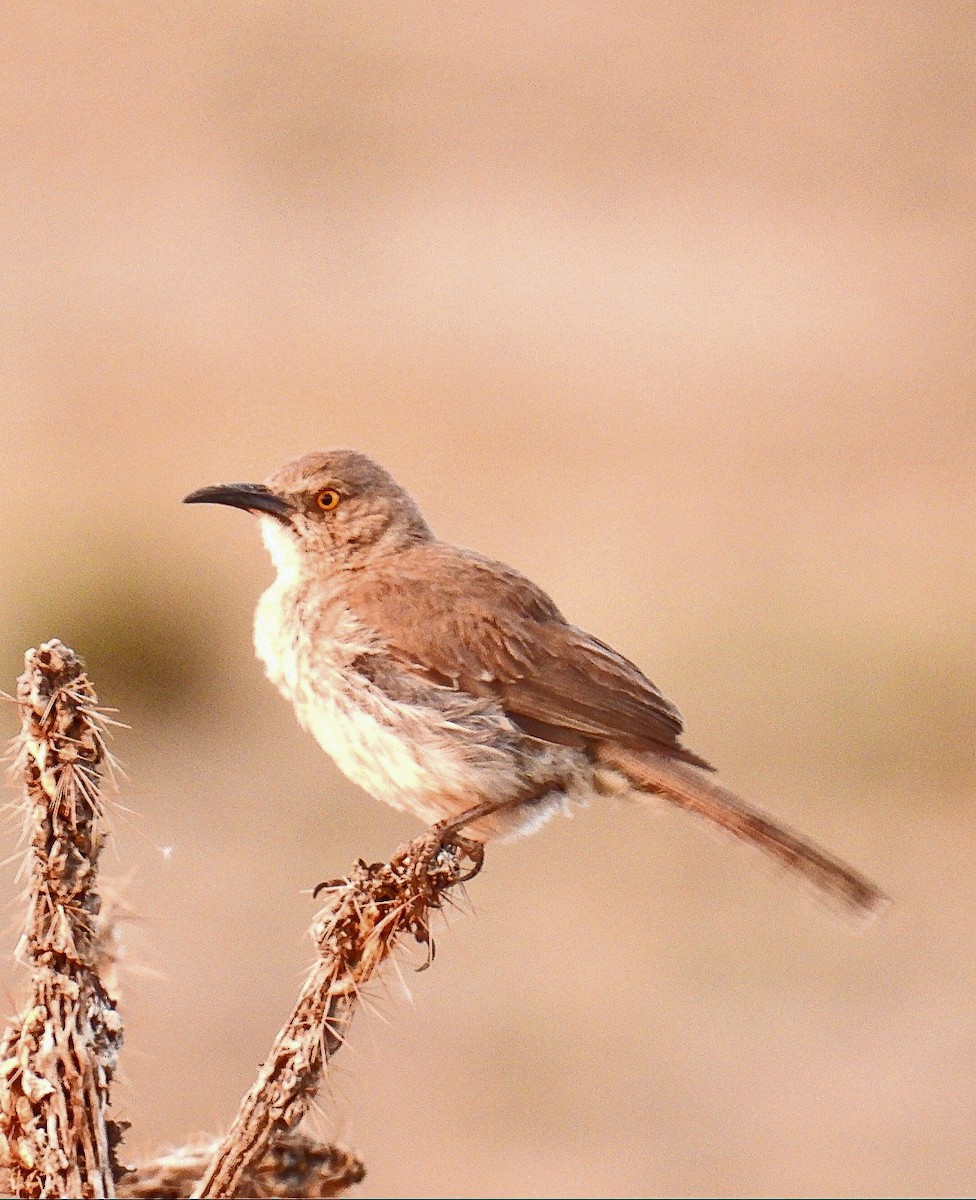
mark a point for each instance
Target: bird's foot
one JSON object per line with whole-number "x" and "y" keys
{"x": 445, "y": 835}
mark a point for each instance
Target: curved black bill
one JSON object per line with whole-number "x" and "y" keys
{"x": 253, "y": 497}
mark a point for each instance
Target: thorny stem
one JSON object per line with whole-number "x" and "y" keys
{"x": 57, "y": 1059}
{"x": 295, "y": 1166}
{"x": 369, "y": 913}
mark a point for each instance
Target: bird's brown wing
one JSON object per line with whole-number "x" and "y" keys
{"x": 474, "y": 624}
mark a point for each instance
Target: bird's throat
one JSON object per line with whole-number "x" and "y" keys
{"x": 284, "y": 549}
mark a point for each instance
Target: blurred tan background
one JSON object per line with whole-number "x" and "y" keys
{"x": 670, "y": 305}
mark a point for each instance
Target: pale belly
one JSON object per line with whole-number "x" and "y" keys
{"x": 404, "y": 756}
{"x": 433, "y": 759}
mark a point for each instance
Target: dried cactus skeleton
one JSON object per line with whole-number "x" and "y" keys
{"x": 369, "y": 914}
{"x": 58, "y": 1057}
{"x": 295, "y": 1166}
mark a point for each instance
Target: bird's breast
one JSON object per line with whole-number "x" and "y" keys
{"x": 299, "y": 628}
{"x": 413, "y": 745}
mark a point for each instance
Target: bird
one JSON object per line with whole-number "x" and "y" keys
{"x": 450, "y": 686}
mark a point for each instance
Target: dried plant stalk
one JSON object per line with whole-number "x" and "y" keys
{"x": 368, "y": 914}
{"x": 57, "y": 1059}
{"x": 295, "y": 1166}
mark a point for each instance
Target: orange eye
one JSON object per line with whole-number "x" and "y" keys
{"x": 327, "y": 500}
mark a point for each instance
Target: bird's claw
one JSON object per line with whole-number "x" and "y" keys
{"x": 445, "y": 835}
{"x": 328, "y": 885}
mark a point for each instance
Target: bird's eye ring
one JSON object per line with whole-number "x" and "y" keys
{"x": 327, "y": 499}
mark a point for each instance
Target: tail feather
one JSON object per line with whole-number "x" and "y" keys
{"x": 694, "y": 791}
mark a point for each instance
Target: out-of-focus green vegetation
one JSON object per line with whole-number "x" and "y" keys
{"x": 130, "y": 621}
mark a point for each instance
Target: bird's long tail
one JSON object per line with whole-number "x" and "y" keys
{"x": 692, "y": 789}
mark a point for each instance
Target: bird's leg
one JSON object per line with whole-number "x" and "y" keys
{"x": 451, "y": 825}
{"x": 445, "y": 833}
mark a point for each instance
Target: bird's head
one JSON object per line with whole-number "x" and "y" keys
{"x": 334, "y": 508}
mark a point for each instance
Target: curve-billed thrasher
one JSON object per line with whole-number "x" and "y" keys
{"x": 449, "y": 685}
